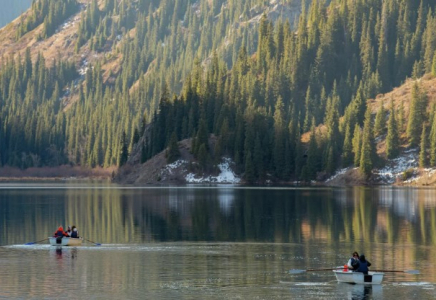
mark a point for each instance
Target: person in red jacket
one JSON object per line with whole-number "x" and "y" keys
{"x": 60, "y": 232}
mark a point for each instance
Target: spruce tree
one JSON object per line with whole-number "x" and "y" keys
{"x": 392, "y": 138}
{"x": 124, "y": 150}
{"x": 400, "y": 120}
{"x": 380, "y": 123}
{"x": 423, "y": 148}
{"x": 202, "y": 156}
{"x": 347, "y": 150}
{"x": 249, "y": 169}
{"x": 368, "y": 146}
{"x": 433, "y": 143}
{"x": 417, "y": 114}
{"x": 173, "y": 149}
{"x": 357, "y": 144}
{"x": 433, "y": 65}
{"x": 311, "y": 166}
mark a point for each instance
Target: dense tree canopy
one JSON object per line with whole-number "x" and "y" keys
{"x": 257, "y": 88}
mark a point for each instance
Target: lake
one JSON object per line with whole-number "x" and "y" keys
{"x": 209, "y": 242}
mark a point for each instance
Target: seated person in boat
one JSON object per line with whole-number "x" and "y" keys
{"x": 69, "y": 231}
{"x": 363, "y": 265}
{"x": 74, "y": 232}
{"x": 353, "y": 262}
{"x": 60, "y": 232}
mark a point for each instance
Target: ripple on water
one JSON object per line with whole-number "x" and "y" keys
{"x": 428, "y": 285}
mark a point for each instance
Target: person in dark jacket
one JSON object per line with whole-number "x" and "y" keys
{"x": 74, "y": 232}
{"x": 60, "y": 232}
{"x": 353, "y": 262}
{"x": 363, "y": 265}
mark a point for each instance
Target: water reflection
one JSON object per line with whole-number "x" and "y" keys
{"x": 360, "y": 291}
{"x": 139, "y": 215}
{"x": 218, "y": 238}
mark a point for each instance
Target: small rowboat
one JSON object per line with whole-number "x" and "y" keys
{"x": 65, "y": 241}
{"x": 359, "y": 277}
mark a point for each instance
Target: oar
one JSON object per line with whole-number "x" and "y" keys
{"x": 415, "y": 272}
{"x": 36, "y": 242}
{"x": 296, "y": 271}
{"x": 97, "y": 244}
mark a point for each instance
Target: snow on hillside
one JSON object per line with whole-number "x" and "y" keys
{"x": 395, "y": 168}
{"x": 226, "y": 175}
{"x": 393, "y": 171}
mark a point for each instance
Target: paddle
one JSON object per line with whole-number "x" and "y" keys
{"x": 330, "y": 269}
{"x": 97, "y": 244}
{"x": 27, "y": 244}
{"x": 296, "y": 271}
{"x": 415, "y": 272}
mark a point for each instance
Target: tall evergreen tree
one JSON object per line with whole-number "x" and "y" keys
{"x": 392, "y": 138}
{"x": 357, "y": 144}
{"x": 380, "y": 122}
{"x": 367, "y": 156}
{"x": 124, "y": 150}
{"x": 173, "y": 149}
{"x": 423, "y": 148}
{"x": 417, "y": 114}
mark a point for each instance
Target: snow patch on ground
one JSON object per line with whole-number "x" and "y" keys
{"x": 395, "y": 167}
{"x": 338, "y": 173}
{"x": 226, "y": 175}
{"x": 175, "y": 165}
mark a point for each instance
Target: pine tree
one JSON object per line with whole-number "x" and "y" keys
{"x": 417, "y": 114}
{"x": 249, "y": 169}
{"x": 311, "y": 166}
{"x": 347, "y": 150}
{"x": 423, "y": 148}
{"x": 258, "y": 160}
{"x": 433, "y": 143}
{"x": 400, "y": 120}
{"x": 279, "y": 138}
{"x": 392, "y": 138}
{"x": 202, "y": 156}
{"x": 173, "y": 149}
{"x": 433, "y": 66}
{"x": 357, "y": 144}
{"x": 124, "y": 150}
{"x": 380, "y": 123}
{"x": 368, "y": 146}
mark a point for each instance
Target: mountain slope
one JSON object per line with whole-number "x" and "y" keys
{"x": 97, "y": 72}
{"x": 124, "y": 53}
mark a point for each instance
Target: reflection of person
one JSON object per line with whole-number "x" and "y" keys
{"x": 353, "y": 262}
{"x": 74, "y": 232}
{"x": 363, "y": 265}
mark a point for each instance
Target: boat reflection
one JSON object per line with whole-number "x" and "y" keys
{"x": 60, "y": 252}
{"x": 360, "y": 291}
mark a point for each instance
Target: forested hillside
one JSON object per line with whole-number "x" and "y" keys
{"x": 11, "y": 9}
{"x": 124, "y": 52}
{"x": 251, "y": 72}
{"x": 321, "y": 74}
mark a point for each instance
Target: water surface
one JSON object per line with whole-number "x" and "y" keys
{"x": 213, "y": 242}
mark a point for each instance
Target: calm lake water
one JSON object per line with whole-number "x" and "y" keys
{"x": 214, "y": 242}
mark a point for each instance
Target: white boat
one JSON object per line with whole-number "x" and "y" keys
{"x": 65, "y": 241}
{"x": 359, "y": 277}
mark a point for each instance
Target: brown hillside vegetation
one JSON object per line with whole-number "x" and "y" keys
{"x": 59, "y": 46}
{"x": 399, "y": 94}
{"x": 403, "y": 94}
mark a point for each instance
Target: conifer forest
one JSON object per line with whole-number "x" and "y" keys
{"x": 282, "y": 86}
